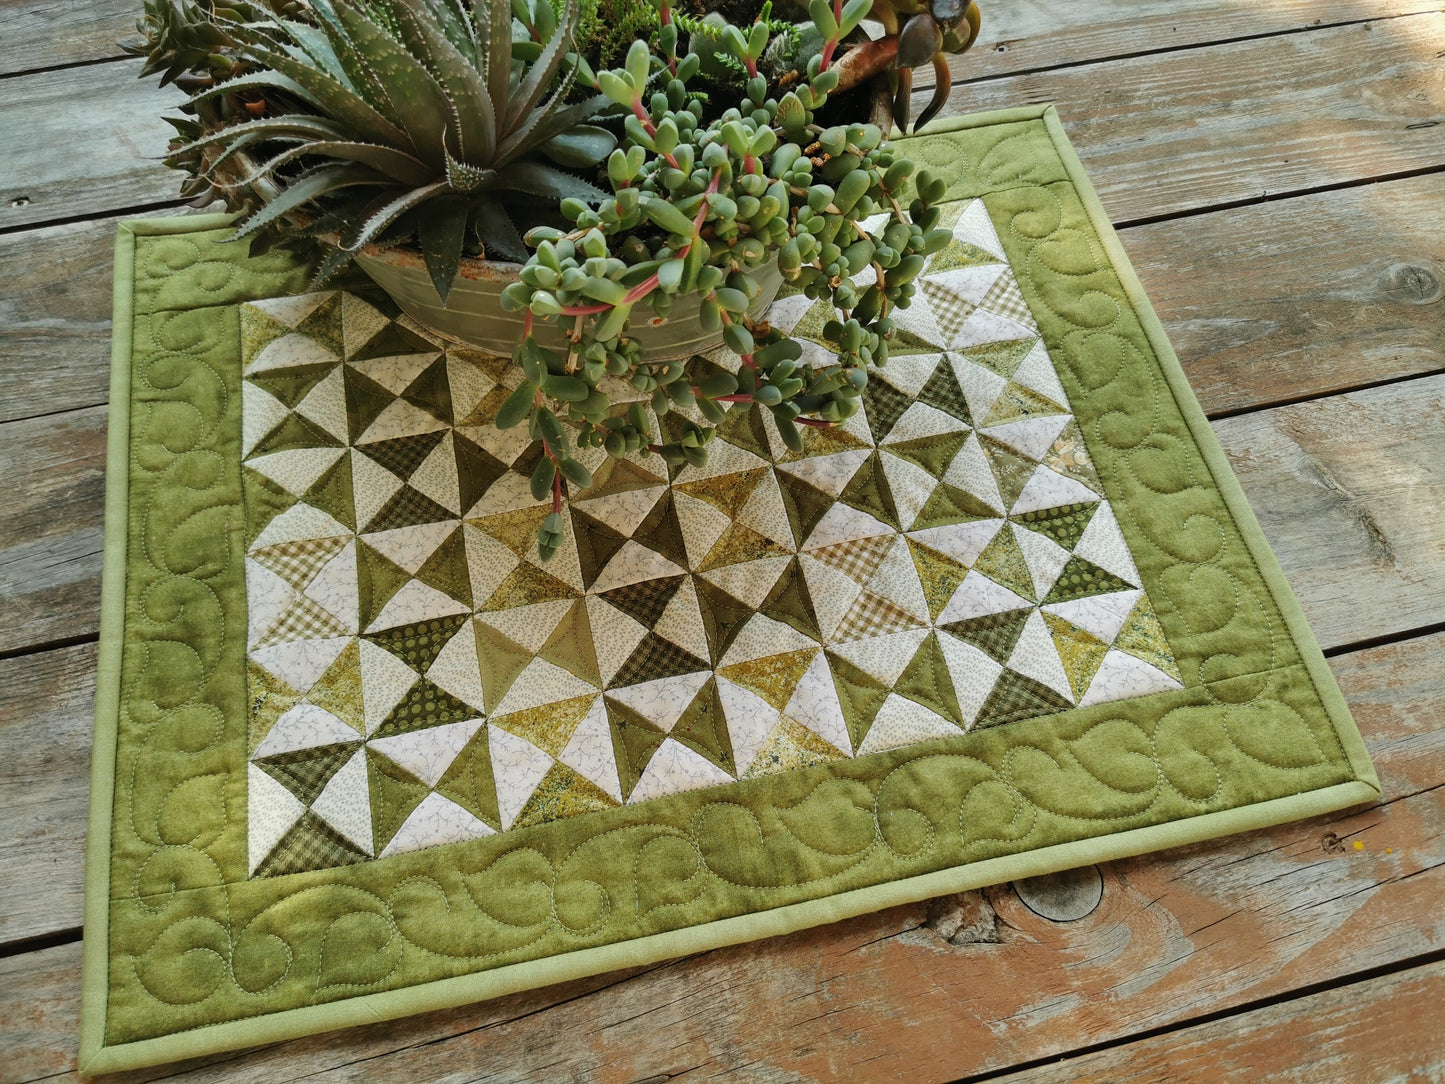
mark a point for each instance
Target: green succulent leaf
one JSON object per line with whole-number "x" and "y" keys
{"x": 442, "y": 230}
{"x": 312, "y": 186}
{"x": 387, "y": 213}
{"x": 540, "y": 179}
{"x": 582, "y": 145}
{"x": 495, "y": 229}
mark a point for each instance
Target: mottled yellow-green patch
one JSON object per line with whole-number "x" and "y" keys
{"x": 1081, "y": 653}
{"x": 268, "y": 698}
{"x": 1002, "y": 358}
{"x": 823, "y": 440}
{"x": 737, "y": 544}
{"x": 258, "y": 331}
{"x": 1003, "y": 562}
{"x": 563, "y": 793}
{"x": 526, "y": 585}
{"x": 958, "y": 254}
{"x": 1143, "y": 637}
{"x": 1018, "y": 403}
{"x": 939, "y": 575}
{"x": 773, "y": 677}
{"x": 517, "y": 529}
{"x": 727, "y": 492}
{"x": 791, "y": 745}
{"x": 339, "y": 689}
{"x": 549, "y": 726}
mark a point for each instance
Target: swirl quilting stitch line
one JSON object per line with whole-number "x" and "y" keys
{"x": 197, "y": 940}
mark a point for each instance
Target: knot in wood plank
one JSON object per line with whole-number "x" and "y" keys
{"x": 1063, "y": 897}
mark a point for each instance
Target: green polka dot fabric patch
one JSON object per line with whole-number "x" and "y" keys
{"x": 361, "y": 752}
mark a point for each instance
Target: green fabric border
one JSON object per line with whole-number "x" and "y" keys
{"x": 779, "y": 919}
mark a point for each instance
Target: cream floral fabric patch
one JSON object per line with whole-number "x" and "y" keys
{"x": 943, "y": 561}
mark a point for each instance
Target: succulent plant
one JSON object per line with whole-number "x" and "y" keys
{"x": 697, "y": 207}
{"x": 444, "y": 122}
{"x": 187, "y": 36}
{"x": 402, "y": 119}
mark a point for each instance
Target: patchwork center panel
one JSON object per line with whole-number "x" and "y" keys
{"x": 417, "y": 676}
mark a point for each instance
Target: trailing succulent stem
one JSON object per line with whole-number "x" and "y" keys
{"x": 697, "y": 206}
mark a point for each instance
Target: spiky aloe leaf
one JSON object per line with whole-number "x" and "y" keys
{"x": 389, "y": 211}
{"x": 442, "y": 230}
{"x": 392, "y": 166}
{"x": 304, "y": 189}
{"x": 414, "y": 99}
{"x": 543, "y": 73}
{"x": 544, "y": 126}
{"x": 539, "y": 179}
{"x": 496, "y": 30}
{"x": 471, "y": 112}
{"x": 496, "y": 231}
{"x": 329, "y": 96}
{"x": 467, "y": 178}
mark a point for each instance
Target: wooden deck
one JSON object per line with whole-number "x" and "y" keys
{"x": 1277, "y": 172}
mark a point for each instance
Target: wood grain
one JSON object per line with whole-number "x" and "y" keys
{"x": 1182, "y": 131}
{"x": 47, "y": 703}
{"x": 1350, "y": 491}
{"x": 83, "y": 141}
{"x": 55, "y": 302}
{"x": 50, "y": 535}
{"x": 54, "y": 32}
{"x": 1301, "y": 297}
{"x": 1379, "y": 1029}
{"x": 1038, "y": 34}
{"x": 953, "y": 987}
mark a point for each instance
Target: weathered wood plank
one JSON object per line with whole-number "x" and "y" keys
{"x": 958, "y": 986}
{"x": 1386, "y": 1028}
{"x": 55, "y": 302}
{"x": 50, "y": 536}
{"x": 1350, "y": 491}
{"x": 54, "y": 32}
{"x": 83, "y": 141}
{"x": 1303, "y": 296}
{"x": 1195, "y": 128}
{"x": 1202, "y": 125}
{"x": 46, "y": 706}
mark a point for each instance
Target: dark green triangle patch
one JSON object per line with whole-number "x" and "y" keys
{"x": 432, "y": 391}
{"x": 948, "y": 505}
{"x": 395, "y": 794}
{"x": 1063, "y": 525}
{"x": 403, "y": 455}
{"x": 634, "y": 741}
{"x": 408, "y": 508}
{"x": 305, "y": 772}
{"x": 743, "y": 428}
{"x": 860, "y": 694}
{"x": 294, "y": 433}
{"x": 419, "y": 645}
{"x": 1002, "y": 358}
{"x": 791, "y": 603}
{"x": 425, "y": 705}
{"x": 723, "y": 616}
{"x": 333, "y": 493}
{"x": 393, "y": 341}
{"x": 323, "y": 323}
{"x": 805, "y": 504}
{"x": 703, "y": 728}
{"x": 447, "y": 570}
{"x": 309, "y": 844}
{"x": 265, "y": 500}
{"x": 292, "y": 385}
{"x": 1016, "y": 697}
{"x": 1081, "y": 579}
{"x": 377, "y": 580}
{"x": 933, "y": 454}
{"x": 365, "y": 400}
{"x": 926, "y": 681}
{"x": 469, "y": 781}
{"x": 597, "y": 544}
{"x": 869, "y": 492}
{"x": 993, "y": 634}
{"x": 661, "y": 531}
{"x": 656, "y": 658}
{"x": 646, "y": 600}
{"x": 942, "y": 391}
{"x": 884, "y": 405}
{"x": 477, "y": 470}
{"x": 1010, "y": 470}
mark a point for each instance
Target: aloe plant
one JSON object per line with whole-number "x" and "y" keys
{"x": 402, "y": 120}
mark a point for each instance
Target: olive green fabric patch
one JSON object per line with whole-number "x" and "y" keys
{"x": 360, "y": 753}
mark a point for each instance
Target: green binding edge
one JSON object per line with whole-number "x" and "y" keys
{"x": 95, "y": 1057}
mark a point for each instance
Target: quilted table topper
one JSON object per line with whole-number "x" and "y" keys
{"x": 361, "y": 752}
